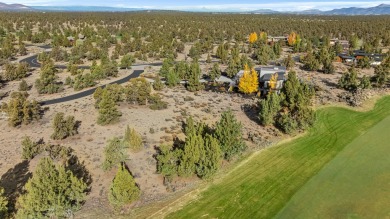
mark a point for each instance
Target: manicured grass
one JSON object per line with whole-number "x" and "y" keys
{"x": 261, "y": 187}
{"x": 355, "y": 184}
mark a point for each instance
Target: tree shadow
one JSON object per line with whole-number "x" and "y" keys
{"x": 13, "y": 182}
{"x": 252, "y": 112}
{"x": 330, "y": 83}
{"x": 79, "y": 170}
{"x": 77, "y": 125}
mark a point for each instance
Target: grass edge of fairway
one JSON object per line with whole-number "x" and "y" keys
{"x": 368, "y": 106}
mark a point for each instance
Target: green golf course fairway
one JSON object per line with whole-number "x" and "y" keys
{"x": 261, "y": 187}
{"x": 355, "y": 184}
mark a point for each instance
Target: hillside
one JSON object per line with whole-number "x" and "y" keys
{"x": 14, "y": 7}
{"x": 383, "y": 9}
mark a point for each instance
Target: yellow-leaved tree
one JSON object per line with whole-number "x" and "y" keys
{"x": 255, "y": 80}
{"x": 253, "y": 37}
{"x": 249, "y": 82}
{"x": 263, "y": 37}
{"x": 273, "y": 82}
{"x": 292, "y": 39}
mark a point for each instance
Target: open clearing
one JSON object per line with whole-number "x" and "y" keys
{"x": 356, "y": 184}
{"x": 262, "y": 187}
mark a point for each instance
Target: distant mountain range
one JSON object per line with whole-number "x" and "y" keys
{"x": 14, "y": 7}
{"x": 383, "y": 9}
{"x": 84, "y": 8}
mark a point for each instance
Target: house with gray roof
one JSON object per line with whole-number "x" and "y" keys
{"x": 265, "y": 74}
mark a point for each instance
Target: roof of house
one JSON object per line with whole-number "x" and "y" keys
{"x": 344, "y": 56}
{"x": 267, "y": 77}
{"x": 271, "y": 68}
{"x": 378, "y": 59}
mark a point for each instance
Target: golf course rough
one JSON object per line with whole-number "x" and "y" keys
{"x": 264, "y": 185}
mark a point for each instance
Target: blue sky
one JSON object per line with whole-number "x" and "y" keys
{"x": 212, "y": 5}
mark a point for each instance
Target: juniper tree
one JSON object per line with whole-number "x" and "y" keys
{"x": 192, "y": 151}
{"x": 138, "y": 91}
{"x": 52, "y": 192}
{"x": 328, "y": 67}
{"x": 365, "y": 82}
{"x": 158, "y": 85}
{"x": 15, "y": 71}
{"x": 23, "y": 86}
{"x": 22, "y": 49}
{"x": 3, "y": 204}
{"x": 222, "y": 53}
{"x": 190, "y": 127}
{"x": 182, "y": 70}
{"x": 20, "y": 110}
{"x": 215, "y": 72}
{"x": 47, "y": 82}
{"x": 166, "y": 66}
{"x": 132, "y": 139}
{"x": 114, "y": 153}
{"x": 269, "y": 108}
{"x": 63, "y": 127}
{"x": 108, "y": 113}
{"x": 289, "y": 62}
{"x": 126, "y": 61}
{"x": 123, "y": 189}
{"x": 233, "y": 68}
{"x": 364, "y": 62}
{"x": 193, "y": 79}
{"x": 194, "y": 53}
{"x": 172, "y": 78}
{"x": 264, "y": 54}
{"x": 296, "y": 102}
{"x": 30, "y": 149}
{"x": 310, "y": 62}
{"x": 381, "y": 75}
{"x": 82, "y": 81}
{"x": 228, "y": 131}
{"x": 210, "y": 159}
{"x": 349, "y": 80}
{"x": 168, "y": 161}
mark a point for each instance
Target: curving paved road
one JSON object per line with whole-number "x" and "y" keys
{"x": 33, "y": 62}
{"x": 135, "y": 74}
